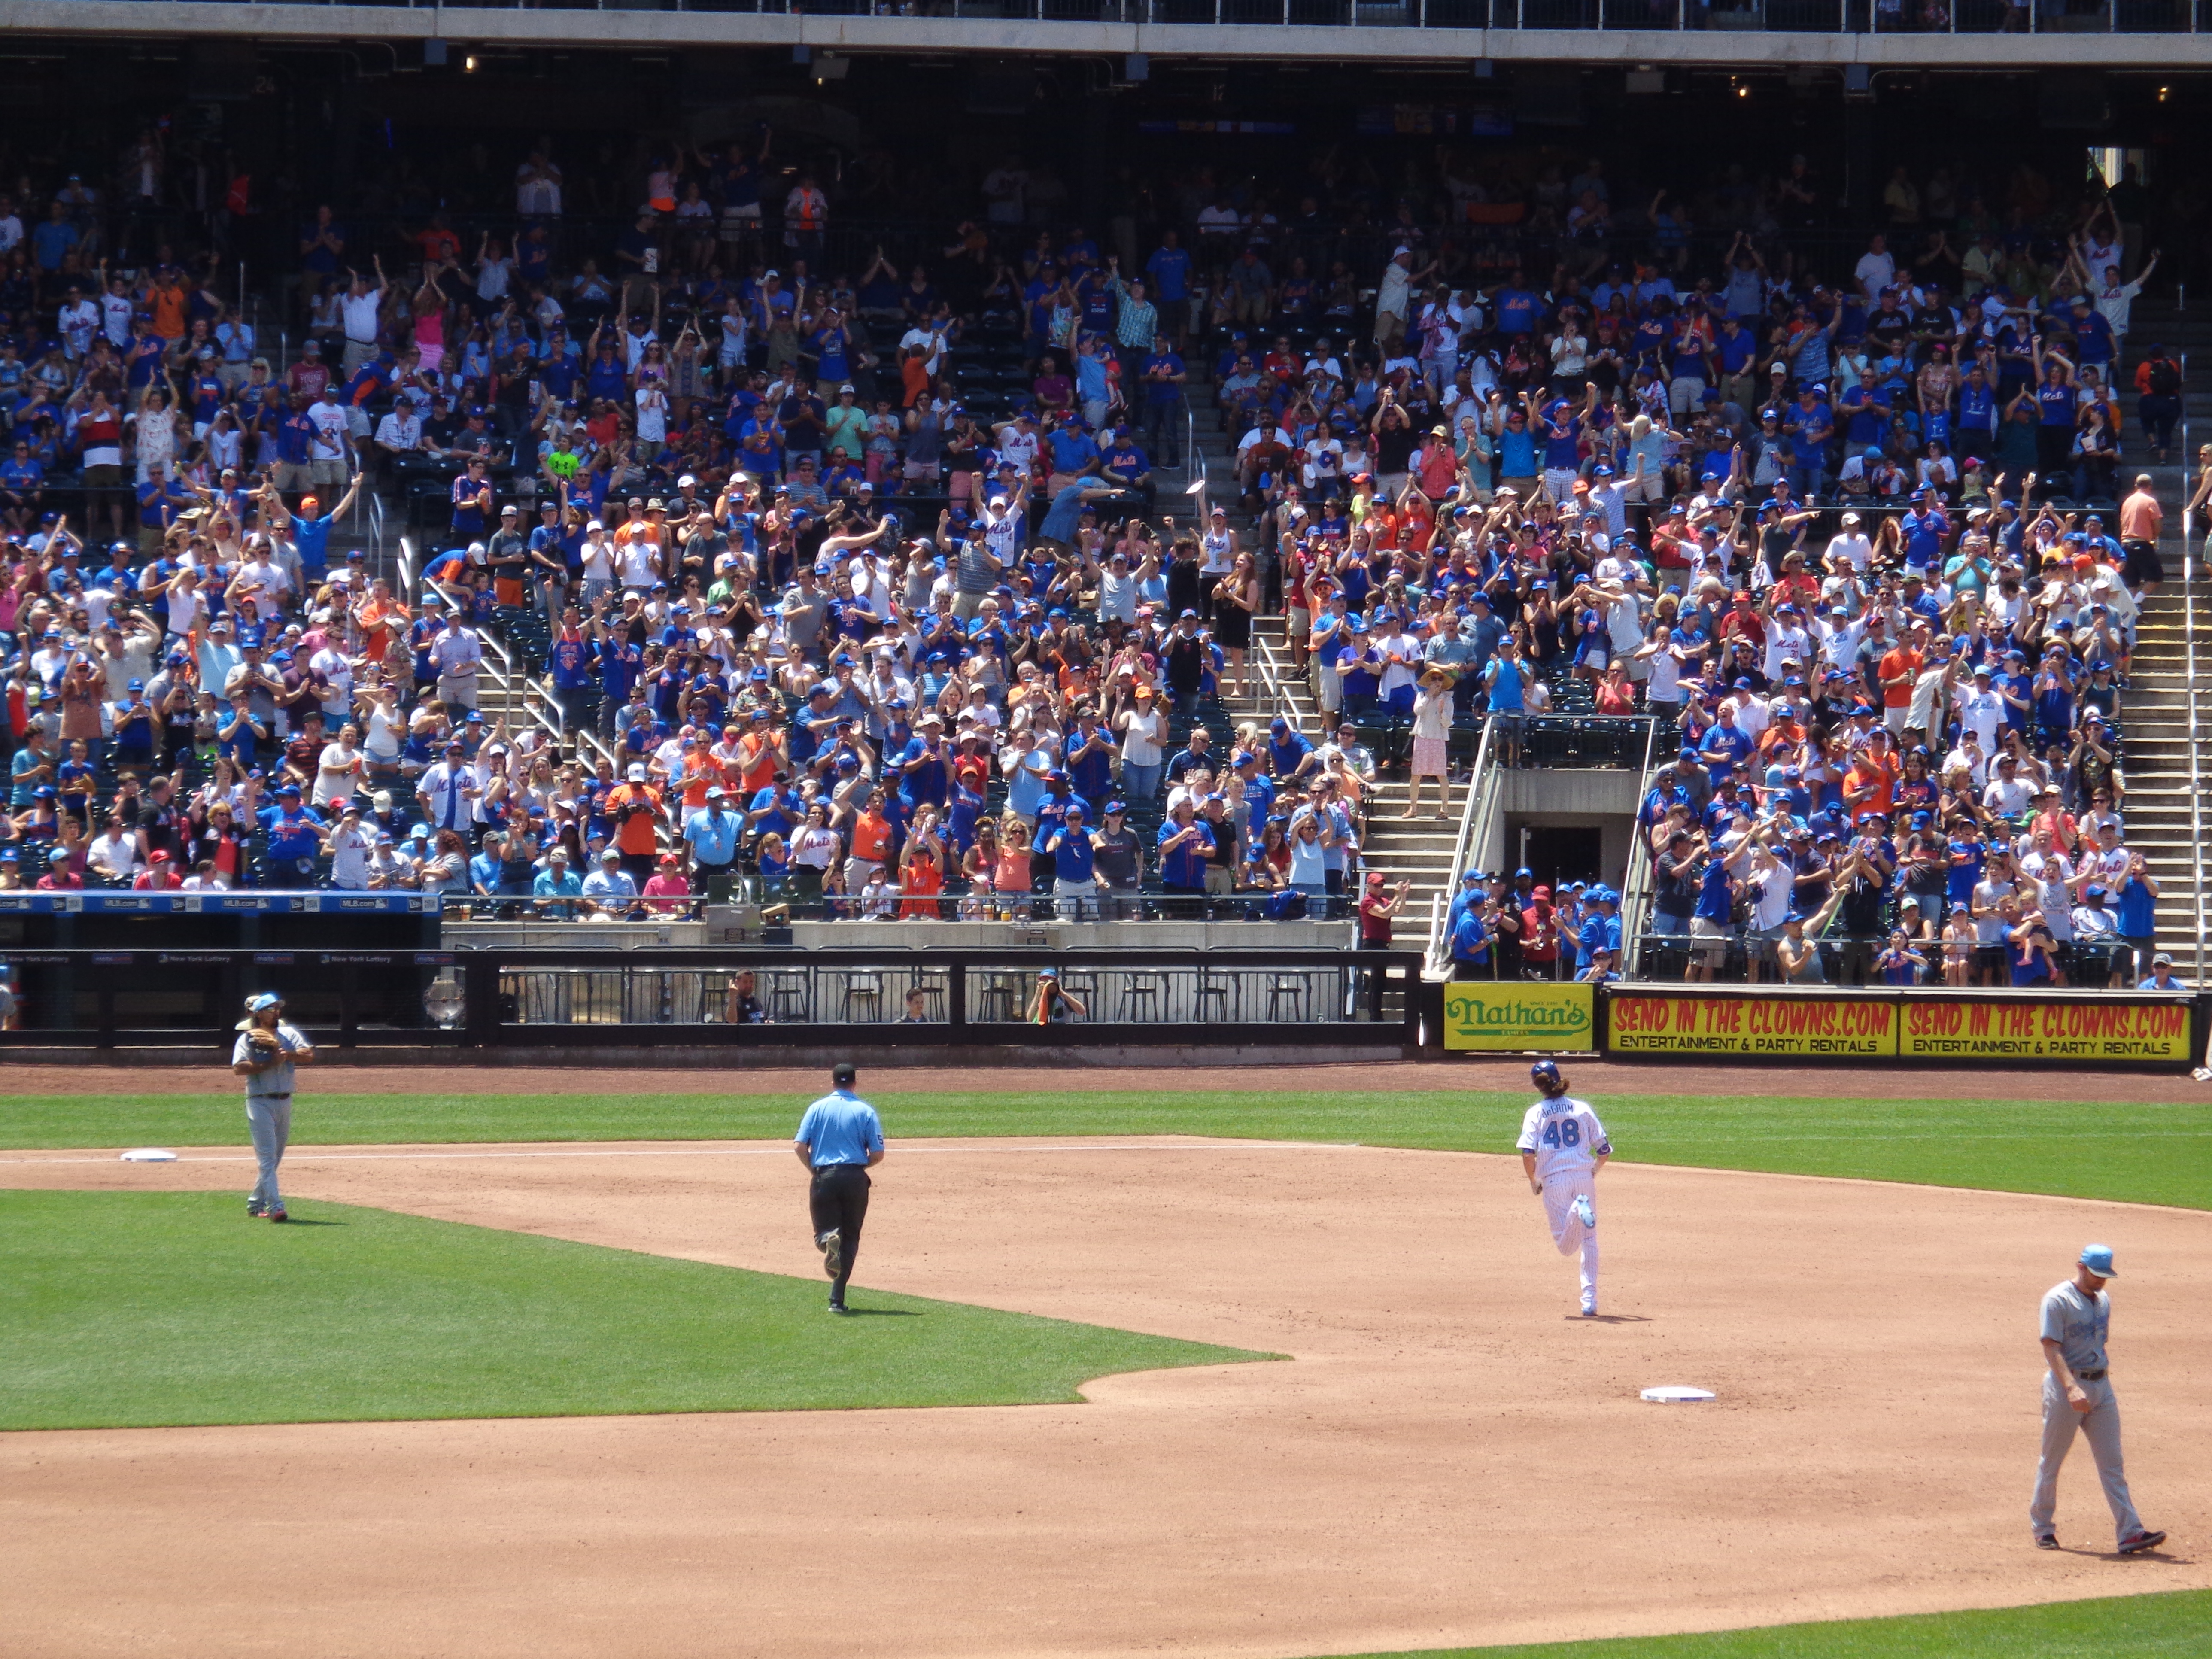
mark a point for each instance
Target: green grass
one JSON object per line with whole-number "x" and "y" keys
{"x": 2120, "y": 1150}
{"x": 2173, "y": 1626}
{"x": 141, "y": 1309}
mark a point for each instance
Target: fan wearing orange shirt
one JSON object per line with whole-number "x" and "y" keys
{"x": 872, "y": 842}
{"x": 695, "y": 774}
{"x": 1416, "y": 520}
{"x": 1870, "y": 781}
{"x": 762, "y": 751}
{"x": 636, "y": 807}
{"x": 381, "y": 618}
{"x": 1900, "y": 672}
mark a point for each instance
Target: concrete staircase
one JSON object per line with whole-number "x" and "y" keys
{"x": 2154, "y": 717}
{"x": 1419, "y": 851}
{"x": 2155, "y": 321}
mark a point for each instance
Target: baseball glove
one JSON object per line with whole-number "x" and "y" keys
{"x": 264, "y": 1039}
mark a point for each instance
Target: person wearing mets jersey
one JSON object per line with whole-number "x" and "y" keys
{"x": 1562, "y": 1147}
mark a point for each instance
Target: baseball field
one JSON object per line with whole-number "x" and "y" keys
{"x": 1252, "y": 1362}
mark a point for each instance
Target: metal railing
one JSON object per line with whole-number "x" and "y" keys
{"x": 527, "y": 998}
{"x": 1636, "y": 882}
{"x": 1666, "y": 16}
{"x": 1481, "y": 791}
{"x": 1193, "y": 457}
{"x": 372, "y": 513}
{"x": 2189, "y": 551}
{"x": 1741, "y": 957}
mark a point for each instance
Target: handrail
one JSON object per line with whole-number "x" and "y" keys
{"x": 1478, "y": 787}
{"x": 1636, "y": 884}
{"x": 375, "y": 515}
{"x": 1265, "y": 654}
{"x": 1193, "y": 457}
{"x": 2189, "y": 673}
{"x": 407, "y": 570}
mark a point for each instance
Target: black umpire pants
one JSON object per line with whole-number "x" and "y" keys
{"x": 839, "y": 1202}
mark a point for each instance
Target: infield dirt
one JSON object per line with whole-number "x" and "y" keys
{"x": 1451, "y": 1457}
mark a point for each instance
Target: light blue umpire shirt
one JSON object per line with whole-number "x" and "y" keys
{"x": 842, "y": 1128}
{"x": 713, "y": 835}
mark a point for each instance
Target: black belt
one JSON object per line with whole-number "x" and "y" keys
{"x": 287, "y": 1094}
{"x": 2089, "y": 1376}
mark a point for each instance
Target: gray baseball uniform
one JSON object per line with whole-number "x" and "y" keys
{"x": 269, "y": 1109}
{"x": 2078, "y": 1320}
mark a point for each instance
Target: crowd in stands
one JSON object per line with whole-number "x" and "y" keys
{"x": 855, "y": 584}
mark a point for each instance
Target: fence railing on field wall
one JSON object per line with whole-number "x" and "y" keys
{"x": 1754, "y": 16}
{"x": 762, "y": 996}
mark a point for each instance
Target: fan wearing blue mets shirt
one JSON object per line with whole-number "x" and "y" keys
{"x": 839, "y": 1139}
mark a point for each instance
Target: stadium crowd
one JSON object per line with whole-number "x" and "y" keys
{"x": 852, "y": 581}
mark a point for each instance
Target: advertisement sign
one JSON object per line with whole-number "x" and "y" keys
{"x": 1663, "y": 1023}
{"x": 1560, "y": 1019}
{"x": 2108, "y": 1028}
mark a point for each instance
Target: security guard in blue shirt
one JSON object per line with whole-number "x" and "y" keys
{"x": 713, "y": 832}
{"x": 839, "y": 1139}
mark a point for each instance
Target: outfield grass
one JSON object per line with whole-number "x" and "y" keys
{"x": 124, "y": 1309}
{"x": 2173, "y": 1626}
{"x": 2119, "y": 1150}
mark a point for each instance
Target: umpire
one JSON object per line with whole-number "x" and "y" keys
{"x": 841, "y": 1138}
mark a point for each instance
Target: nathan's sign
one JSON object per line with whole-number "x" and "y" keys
{"x": 1692, "y": 1023}
{"x": 1514, "y": 1016}
{"x": 2105, "y": 1028}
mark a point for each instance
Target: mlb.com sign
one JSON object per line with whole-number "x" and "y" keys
{"x": 1561, "y": 1018}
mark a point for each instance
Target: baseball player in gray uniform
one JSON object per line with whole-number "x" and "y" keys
{"x": 267, "y": 1051}
{"x": 2077, "y": 1394}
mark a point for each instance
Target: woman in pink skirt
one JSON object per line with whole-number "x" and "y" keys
{"x": 1432, "y": 714}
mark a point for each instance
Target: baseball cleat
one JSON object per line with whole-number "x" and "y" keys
{"x": 1583, "y": 1213}
{"x": 254, "y": 1207}
{"x": 833, "y": 1252}
{"x": 839, "y": 1308}
{"x": 1590, "y": 1308}
{"x": 2047, "y": 1540}
{"x": 2142, "y": 1541}
{"x": 278, "y": 1215}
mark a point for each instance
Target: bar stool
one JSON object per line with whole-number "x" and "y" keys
{"x": 864, "y": 989}
{"x": 1144, "y": 996}
{"x": 1217, "y": 992}
{"x": 998, "y": 997}
{"x": 788, "y": 998}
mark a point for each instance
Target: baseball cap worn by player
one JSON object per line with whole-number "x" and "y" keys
{"x": 2098, "y": 1259}
{"x": 1545, "y": 1074}
{"x": 262, "y": 1001}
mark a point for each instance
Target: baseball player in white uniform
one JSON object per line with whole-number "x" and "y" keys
{"x": 1562, "y": 1147}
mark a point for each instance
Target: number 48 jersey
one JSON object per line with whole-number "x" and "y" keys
{"x": 1564, "y": 1134}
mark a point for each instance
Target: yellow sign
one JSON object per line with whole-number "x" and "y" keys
{"x": 2107, "y": 1028}
{"x": 1507, "y": 1016}
{"x": 1660, "y": 1023}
